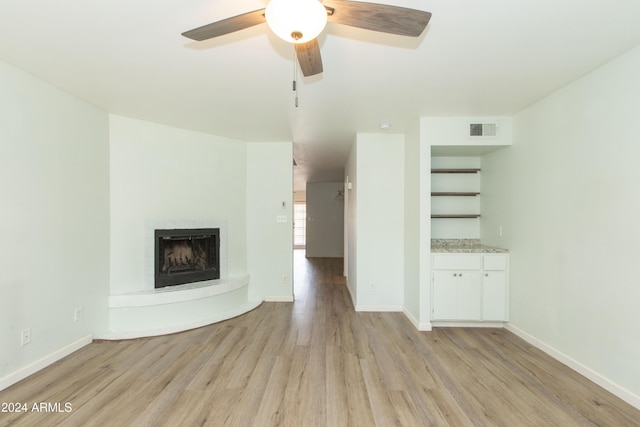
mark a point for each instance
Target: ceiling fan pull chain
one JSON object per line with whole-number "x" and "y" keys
{"x": 295, "y": 75}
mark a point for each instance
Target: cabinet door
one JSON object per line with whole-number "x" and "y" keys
{"x": 457, "y": 295}
{"x": 494, "y": 296}
{"x": 469, "y": 296}
{"x": 444, "y": 295}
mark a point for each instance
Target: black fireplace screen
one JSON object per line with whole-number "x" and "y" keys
{"x": 186, "y": 255}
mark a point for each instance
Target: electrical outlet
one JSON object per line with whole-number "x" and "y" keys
{"x": 372, "y": 287}
{"x": 77, "y": 314}
{"x": 25, "y": 336}
{"x": 285, "y": 279}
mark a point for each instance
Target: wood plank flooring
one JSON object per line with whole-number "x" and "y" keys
{"x": 316, "y": 362}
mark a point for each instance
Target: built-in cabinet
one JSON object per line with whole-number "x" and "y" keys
{"x": 469, "y": 281}
{"x": 470, "y": 287}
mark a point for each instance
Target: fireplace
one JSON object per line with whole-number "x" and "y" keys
{"x": 186, "y": 256}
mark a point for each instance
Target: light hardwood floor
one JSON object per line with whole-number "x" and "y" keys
{"x": 316, "y": 362}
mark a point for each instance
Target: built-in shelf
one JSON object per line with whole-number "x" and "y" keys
{"x": 456, "y": 216}
{"x": 454, "y": 193}
{"x": 457, "y": 170}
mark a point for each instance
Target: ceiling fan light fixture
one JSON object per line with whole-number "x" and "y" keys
{"x": 296, "y": 21}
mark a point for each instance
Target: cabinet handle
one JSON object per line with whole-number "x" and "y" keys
{"x": 486, "y": 274}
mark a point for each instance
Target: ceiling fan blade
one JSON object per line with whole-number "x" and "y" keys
{"x": 226, "y": 26}
{"x": 378, "y": 17}
{"x": 309, "y": 57}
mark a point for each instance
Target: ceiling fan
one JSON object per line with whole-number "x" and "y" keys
{"x": 301, "y": 21}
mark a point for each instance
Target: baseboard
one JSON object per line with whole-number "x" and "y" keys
{"x": 353, "y": 300}
{"x": 624, "y": 394}
{"x": 45, "y": 361}
{"x": 460, "y": 324}
{"x": 284, "y": 298}
{"x": 424, "y": 327}
{"x": 393, "y": 308}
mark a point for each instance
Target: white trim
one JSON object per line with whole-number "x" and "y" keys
{"x": 602, "y": 381}
{"x": 393, "y": 308}
{"x": 43, "y": 362}
{"x": 424, "y": 327}
{"x": 460, "y": 324}
{"x": 124, "y": 335}
{"x": 353, "y": 300}
{"x": 283, "y": 298}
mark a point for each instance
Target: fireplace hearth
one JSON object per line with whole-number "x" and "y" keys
{"x": 186, "y": 256}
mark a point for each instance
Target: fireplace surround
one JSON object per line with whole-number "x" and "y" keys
{"x": 186, "y": 255}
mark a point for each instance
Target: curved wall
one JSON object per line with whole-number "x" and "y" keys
{"x": 164, "y": 177}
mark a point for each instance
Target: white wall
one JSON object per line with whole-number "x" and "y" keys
{"x": 325, "y": 220}
{"x": 417, "y": 227}
{"x": 379, "y": 214}
{"x": 425, "y": 229}
{"x": 566, "y": 194}
{"x": 450, "y": 132}
{"x": 412, "y": 223}
{"x": 54, "y": 221}
{"x": 269, "y": 244}
{"x": 162, "y": 173}
{"x": 351, "y": 223}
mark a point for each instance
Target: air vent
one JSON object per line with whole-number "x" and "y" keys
{"x": 477, "y": 130}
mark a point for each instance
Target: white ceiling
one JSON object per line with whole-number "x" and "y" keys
{"x": 477, "y": 57}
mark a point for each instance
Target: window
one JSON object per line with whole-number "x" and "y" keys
{"x": 299, "y": 225}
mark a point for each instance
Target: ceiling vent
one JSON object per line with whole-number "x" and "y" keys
{"x": 483, "y": 130}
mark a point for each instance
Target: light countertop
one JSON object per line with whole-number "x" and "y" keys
{"x": 463, "y": 246}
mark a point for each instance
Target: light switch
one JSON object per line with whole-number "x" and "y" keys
{"x": 281, "y": 218}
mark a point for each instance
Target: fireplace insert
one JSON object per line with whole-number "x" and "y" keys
{"x": 186, "y": 256}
